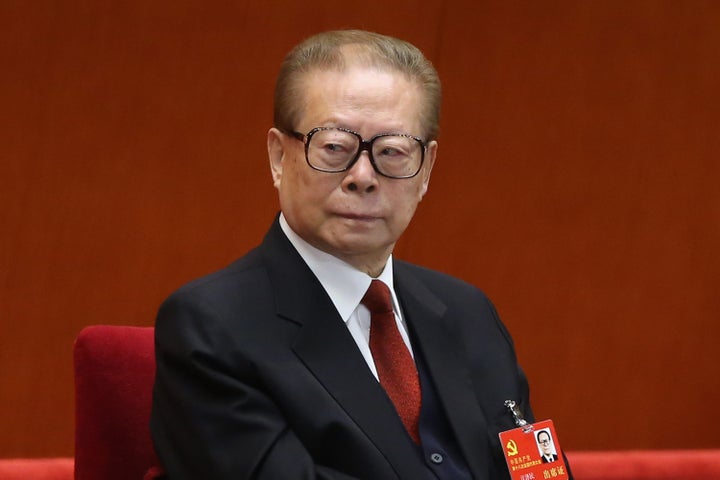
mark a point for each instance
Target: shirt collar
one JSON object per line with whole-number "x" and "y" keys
{"x": 345, "y": 284}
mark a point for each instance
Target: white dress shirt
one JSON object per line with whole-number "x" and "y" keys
{"x": 346, "y": 287}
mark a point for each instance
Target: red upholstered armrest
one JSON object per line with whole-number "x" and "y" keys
{"x": 646, "y": 465}
{"x": 36, "y": 469}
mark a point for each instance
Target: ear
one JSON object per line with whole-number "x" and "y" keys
{"x": 430, "y": 155}
{"x": 276, "y": 153}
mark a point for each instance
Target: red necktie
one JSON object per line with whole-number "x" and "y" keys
{"x": 395, "y": 367}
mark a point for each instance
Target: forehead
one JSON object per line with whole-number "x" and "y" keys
{"x": 360, "y": 93}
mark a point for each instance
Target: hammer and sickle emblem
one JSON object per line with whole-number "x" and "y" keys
{"x": 512, "y": 448}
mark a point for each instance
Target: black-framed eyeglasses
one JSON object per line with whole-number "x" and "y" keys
{"x": 335, "y": 149}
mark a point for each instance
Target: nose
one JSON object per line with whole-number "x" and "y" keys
{"x": 362, "y": 176}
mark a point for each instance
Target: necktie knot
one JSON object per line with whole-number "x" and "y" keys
{"x": 377, "y": 299}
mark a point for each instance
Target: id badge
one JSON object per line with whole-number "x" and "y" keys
{"x": 532, "y": 451}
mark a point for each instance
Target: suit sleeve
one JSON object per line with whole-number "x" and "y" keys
{"x": 210, "y": 417}
{"x": 522, "y": 381}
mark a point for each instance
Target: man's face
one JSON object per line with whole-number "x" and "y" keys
{"x": 544, "y": 441}
{"x": 356, "y": 215}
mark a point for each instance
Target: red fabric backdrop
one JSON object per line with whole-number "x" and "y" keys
{"x": 576, "y": 183}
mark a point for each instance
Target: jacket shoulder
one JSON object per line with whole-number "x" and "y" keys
{"x": 228, "y": 289}
{"x": 441, "y": 284}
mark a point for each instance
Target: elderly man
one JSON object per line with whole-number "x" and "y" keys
{"x": 317, "y": 354}
{"x": 546, "y": 447}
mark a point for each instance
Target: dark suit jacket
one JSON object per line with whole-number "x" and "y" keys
{"x": 258, "y": 377}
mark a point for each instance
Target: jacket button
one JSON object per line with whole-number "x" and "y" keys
{"x": 436, "y": 458}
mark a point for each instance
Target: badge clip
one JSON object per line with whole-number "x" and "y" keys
{"x": 517, "y": 415}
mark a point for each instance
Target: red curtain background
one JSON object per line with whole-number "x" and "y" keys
{"x": 577, "y": 184}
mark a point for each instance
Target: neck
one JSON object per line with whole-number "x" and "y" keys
{"x": 372, "y": 266}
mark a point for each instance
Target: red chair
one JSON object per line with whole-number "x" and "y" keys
{"x": 36, "y": 468}
{"x": 646, "y": 465}
{"x": 114, "y": 372}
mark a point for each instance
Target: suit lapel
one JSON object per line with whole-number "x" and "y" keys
{"x": 337, "y": 364}
{"x": 327, "y": 349}
{"x": 434, "y": 335}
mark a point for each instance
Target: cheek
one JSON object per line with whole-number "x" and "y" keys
{"x": 406, "y": 203}
{"x": 309, "y": 189}
{"x": 296, "y": 179}
{"x": 415, "y": 194}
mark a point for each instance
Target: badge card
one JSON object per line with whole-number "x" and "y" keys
{"x": 532, "y": 452}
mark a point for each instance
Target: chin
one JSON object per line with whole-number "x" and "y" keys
{"x": 353, "y": 245}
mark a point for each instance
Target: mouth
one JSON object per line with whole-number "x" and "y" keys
{"x": 358, "y": 217}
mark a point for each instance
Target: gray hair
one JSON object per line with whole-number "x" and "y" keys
{"x": 332, "y": 50}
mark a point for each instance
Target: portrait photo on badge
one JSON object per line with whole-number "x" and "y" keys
{"x": 546, "y": 446}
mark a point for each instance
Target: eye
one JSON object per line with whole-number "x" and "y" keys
{"x": 334, "y": 148}
{"x": 394, "y": 147}
{"x": 392, "y": 152}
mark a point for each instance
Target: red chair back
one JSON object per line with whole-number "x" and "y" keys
{"x": 114, "y": 373}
